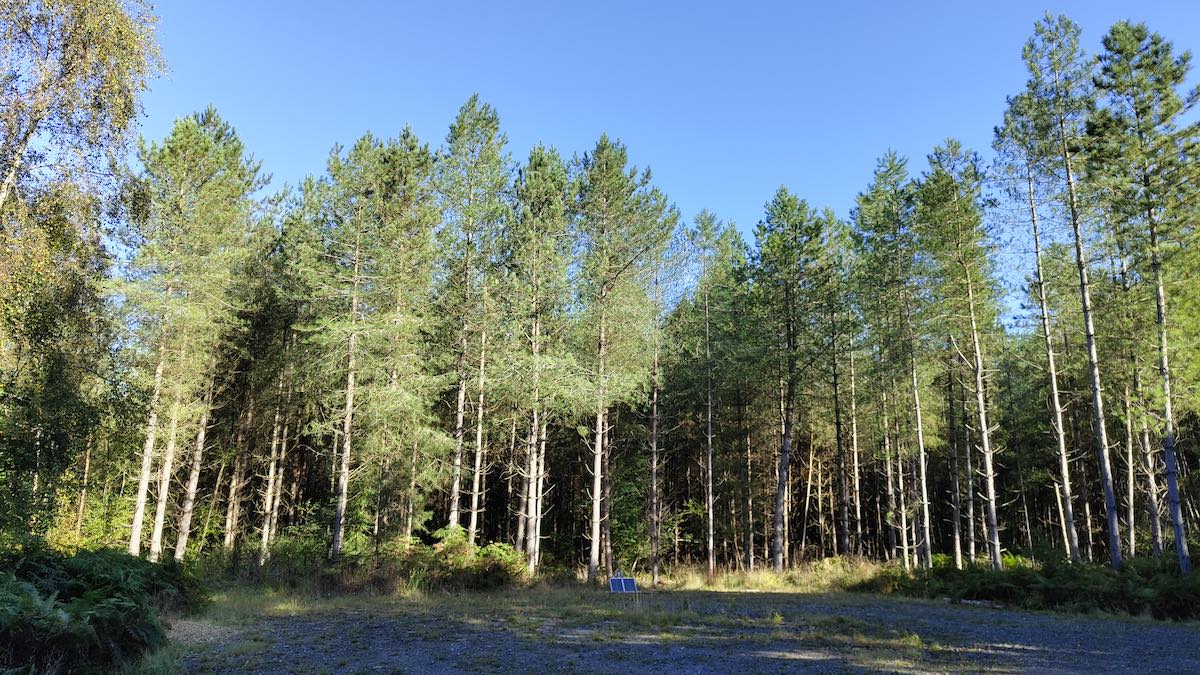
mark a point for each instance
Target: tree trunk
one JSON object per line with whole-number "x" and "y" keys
{"x": 655, "y": 521}
{"x": 87, "y": 467}
{"x": 858, "y": 532}
{"x": 139, "y": 509}
{"x": 343, "y": 473}
{"x": 234, "y": 502}
{"x": 473, "y": 522}
{"x": 1060, "y": 433}
{"x": 272, "y": 481}
{"x": 598, "y": 451}
{"x": 1164, "y": 372}
{"x": 843, "y": 508}
{"x": 1089, "y": 331}
{"x": 923, "y": 547}
{"x": 955, "y": 495}
{"x": 708, "y": 443}
{"x": 891, "y": 490}
{"x": 189, "y": 497}
{"x": 164, "y": 481}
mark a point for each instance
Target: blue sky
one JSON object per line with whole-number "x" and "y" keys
{"x": 725, "y": 101}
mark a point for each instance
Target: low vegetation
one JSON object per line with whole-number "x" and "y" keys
{"x": 89, "y": 610}
{"x": 1141, "y": 587}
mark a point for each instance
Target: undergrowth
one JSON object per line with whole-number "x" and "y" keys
{"x": 1142, "y": 587}
{"x": 87, "y": 611}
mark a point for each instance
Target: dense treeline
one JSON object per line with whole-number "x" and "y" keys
{"x": 542, "y": 351}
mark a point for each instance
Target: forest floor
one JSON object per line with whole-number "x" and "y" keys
{"x": 581, "y": 630}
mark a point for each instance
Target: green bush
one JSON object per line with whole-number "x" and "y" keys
{"x": 1152, "y": 587}
{"x": 87, "y": 611}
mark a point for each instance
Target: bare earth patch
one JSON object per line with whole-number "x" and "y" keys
{"x": 578, "y": 630}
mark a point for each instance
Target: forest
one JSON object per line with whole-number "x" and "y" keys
{"x": 986, "y": 364}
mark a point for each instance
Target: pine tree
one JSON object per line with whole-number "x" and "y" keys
{"x": 621, "y": 222}
{"x": 1139, "y": 150}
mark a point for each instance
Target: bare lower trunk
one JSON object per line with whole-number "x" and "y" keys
{"x": 778, "y": 543}
{"x": 1164, "y": 372}
{"x": 139, "y": 509}
{"x": 189, "y": 496}
{"x": 985, "y": 431}
{"x": 843, "y": 507}
{"x": 473, "y": 522}
{"x": 1152, "y": 508}
{"x": 272, "y": 481}
{"x": 343, "y": 472}
{"x": 655, "y": 522}
{"x": 83, "y": 490}
{"x": 858, "y": 532}
{"x": 597, "y": 458}
{"x": 923, "y": 546}
{"x": 1060, "y": 433}
{"x": 234, "y": 501}
{"x": 890, "y": 479}
{"x": 459, "y": 437}
{"x": 164, "y": 482}
{"x": 1089, "y": 331}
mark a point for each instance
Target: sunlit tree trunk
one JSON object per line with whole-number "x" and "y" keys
{"x": 189, "y": 496}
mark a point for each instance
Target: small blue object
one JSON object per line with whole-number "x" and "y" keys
{"x": 620, "y": 584}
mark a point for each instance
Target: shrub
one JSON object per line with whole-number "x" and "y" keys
{"x": 1142, "y": 586}
{"x": 90, "y": 610}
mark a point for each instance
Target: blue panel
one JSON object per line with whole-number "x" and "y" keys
{"x": 629, "y": 585}
{"x": 614, "y": 585}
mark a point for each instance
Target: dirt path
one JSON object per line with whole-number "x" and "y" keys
{"x": 682, "y": 632}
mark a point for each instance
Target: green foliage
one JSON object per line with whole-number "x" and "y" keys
{"x": 1142, "y": 586}
{"x": 90, "y": 610}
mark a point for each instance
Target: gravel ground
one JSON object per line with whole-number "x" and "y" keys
{"x": 681, "y": 632}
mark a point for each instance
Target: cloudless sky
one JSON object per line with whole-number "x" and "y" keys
{"x": 724, "y": 101}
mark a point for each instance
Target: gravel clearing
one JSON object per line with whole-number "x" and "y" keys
{"x": 678, "y": 632}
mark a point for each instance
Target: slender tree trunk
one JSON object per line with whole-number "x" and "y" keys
{"x": 955, "y": 495}
{"x": 778, "y": 543}
{"x": 412, "y": 495}
{"x": 280, "y": 471}
{"x": 985, "y": 433}
{"x": 926, "y": 539}
{"x": 539, "y": 493}
{"x": 858, "y": 530}
{"x": 524, "y": 506}
{"x": 655, "y": 513}
{"x": 610, "y": 565}
{"x": 598, "y": 450}
{"x": 708, "y": 442}
{"x": 969, "y": 453}
{"x": 164, "y": 481}
{"x": 189, "y": 497}
{"x": 272, "y": 481}
{"x": 1152, "y": 508}
{"x": 1131, "y": 471}
{"x": 1164, "y": 372}
{"x": 473, "y": 522}
{"x": 842, "y": 538}
{"x": 212, "y": 507}
{"x": 139, "y": 509}
{"x": 87, "y": 467}
{"x": 1089, "y": 330}
{"x": 343, "y": 473}
{"x": 891, "y": 491}
{"x": 1060, "y": 433}
{"x": 903, "y": 509}
{"x": 234, "y": 501}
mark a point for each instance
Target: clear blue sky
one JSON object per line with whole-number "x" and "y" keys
{"x": 725, "y": 101}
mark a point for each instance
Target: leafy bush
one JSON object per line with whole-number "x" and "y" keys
{"x": 91, "y": 610}
{"x": 1142, "y": 586}
{"x": 451, "y": 563}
